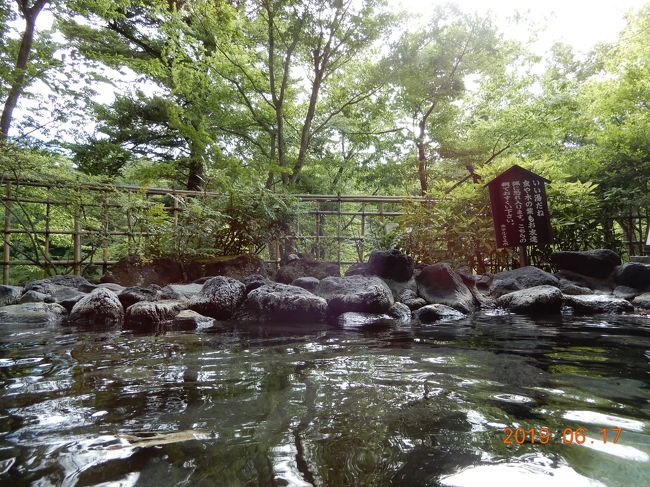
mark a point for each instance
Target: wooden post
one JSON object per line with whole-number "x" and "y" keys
{"x": 77, "y": 244}
{"x": 338, "y": 232}
{"x": 129, "y": 224}
{"x": 46, "y": 245}
{"x": 6, "y": 249}
{"x": 362, "y": 233}
{"x": 317, "y": 212}
{"x": 105, "y": 237}
{"x": 523, "y": 256}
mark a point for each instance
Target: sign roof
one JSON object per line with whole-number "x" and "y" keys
{"x": 515, "y": 169}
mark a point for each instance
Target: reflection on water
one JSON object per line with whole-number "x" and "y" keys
{"x": 315, "y": 405}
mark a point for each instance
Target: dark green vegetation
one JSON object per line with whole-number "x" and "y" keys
{"x": 326, "y": 97}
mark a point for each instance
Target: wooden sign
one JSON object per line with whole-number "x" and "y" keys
{"x": 519, "y": 208}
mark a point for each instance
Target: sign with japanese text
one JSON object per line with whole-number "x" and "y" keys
{"x": 519, "y": 208}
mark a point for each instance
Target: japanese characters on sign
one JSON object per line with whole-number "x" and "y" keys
{"x": 519, "y": 208}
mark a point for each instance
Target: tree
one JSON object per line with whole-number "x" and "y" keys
{"x": 21, "y": 73}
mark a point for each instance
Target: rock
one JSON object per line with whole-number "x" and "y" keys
{"x": 180, "y": 291}
{"x": 116, "y": 288}
{"x": 131, "y": 295}
{"x": 282, "y": 302}
{"x": 99, "y": 308}
{"x": 480, "y": 299}
{"x": 32, "y": 313}
{"x": 354, "y": 319}
{"x": 399, "y": 287}
{"x": 594, "y": 263}
{"x": 598, "y": 303}
{"x": 69, "y": 303}
{"x": 147, "y": 315}
{"x": 436, "y": 312}
{"x": 400, "y": 312}
{"x": 570, "y": 287}
{"x": 306, "y": 267}
{"x": 237, "y": 267}
{"x": 521, "y": 278}
{"x": 633, "y": 275}
{"x": 191, "y": 320}
{"x": 599, "y": 285}
{"x": 641, "y": 301}
{"x": 355, "y": 293}
{"x": 308, "y": 283}
{"x": 219, "y": 297}
{"x": 358, "y": 269}
{"x": 390, "y": 264}
{"x": 254, "y": 281}
{"x": 9, "y": 295}
{"x": 410, "y": 298}
{"x": 50, "y": 284}
{"x": 535, "y": 300}
{"x": 35, "y": 297}
{"x": 440, "y": 284}
{"x": 133, "y": 271}
{"x": 625, "y": 292}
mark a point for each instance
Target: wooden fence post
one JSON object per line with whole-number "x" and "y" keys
{"x": 6, "y": 249}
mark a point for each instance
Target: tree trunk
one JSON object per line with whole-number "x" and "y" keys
{"x": 18, "y": 85}
{"x": 196, "y": 167}
{"x": 422, "y": 159}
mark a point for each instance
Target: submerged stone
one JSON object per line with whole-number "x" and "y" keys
{"x": 33, "y": 313}
{"x": 99, "y": 308}
{"x": 598, "y": 303}
{"x": 355, "y": 319}
{"x": 534, "y": 300}
{"x": 191, "y": 320}
{"x": 436, "y": 312}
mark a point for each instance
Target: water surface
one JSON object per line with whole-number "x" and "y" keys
{"x": 421, "y": 405}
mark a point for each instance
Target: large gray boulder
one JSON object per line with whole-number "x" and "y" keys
{"x": 570, "y": 287}
{"x": 400, "y": 312}
{"x": 131, "y": 295}
{"x": 180, "y": 291}
{"x": 306, "y": 267}
{"x": 100, "y": 308}
{"x": 355, "y": 293}
{"x": 219, "y": 298}
{"x": 390, "y": 264}
{"x": 597, "y": 304}
{"x": 594, "y": 263}
{"x": 308, "y": 283}
{"x": 534, "y": 300}
{"x": 521, "y": 278}
{"x": 190, "y": 320}
{"x": 436, "y": 312}
{"x": 32, "y": 313}
{"x": 642, "y": 301}
{"x": 35, "y": 297}
{"x": 50, "y": 284}
{"x": 146, "y": 315}
{"x": 633, "y": 275}
{"x": 9, "y": 295}
{"x": 440, "y": 284}
{"x": 283, "y": 302}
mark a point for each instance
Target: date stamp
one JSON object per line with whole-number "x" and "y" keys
{"x": 568, "y": 436}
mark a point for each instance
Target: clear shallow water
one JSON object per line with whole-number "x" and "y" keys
{"x": 312, "y": 404}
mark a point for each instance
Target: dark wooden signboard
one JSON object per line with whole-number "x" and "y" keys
{"x": 519, "y": 208}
